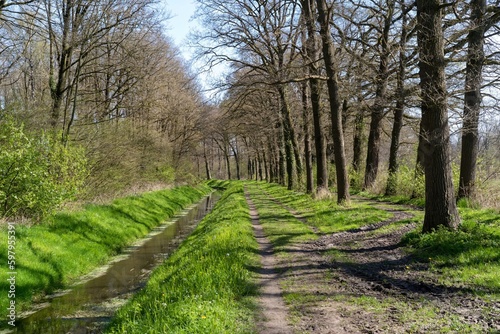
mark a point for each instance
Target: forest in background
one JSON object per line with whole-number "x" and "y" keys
{"x": 96, "y": 101}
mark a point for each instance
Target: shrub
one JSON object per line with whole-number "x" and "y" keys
{"x": 37, "y": 173}
{"x": 356, "y": 180}
{"x": 409, "y": 183}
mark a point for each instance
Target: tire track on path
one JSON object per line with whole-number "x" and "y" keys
{"x": 273, "y": 308}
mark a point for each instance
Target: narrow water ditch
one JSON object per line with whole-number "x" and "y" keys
{"x": 88, "y": 307}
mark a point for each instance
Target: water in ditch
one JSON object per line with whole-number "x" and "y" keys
{"x": 89, "y": 307}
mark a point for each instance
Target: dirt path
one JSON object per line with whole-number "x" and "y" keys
{"x": 274, "y": 310}
{"x": 362, "y": 281}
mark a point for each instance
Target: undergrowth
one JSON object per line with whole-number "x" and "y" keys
{"x": 468, "y": 257}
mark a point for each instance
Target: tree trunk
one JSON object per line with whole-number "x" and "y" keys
{"x": 319, "y": 140}
{"x": 313, "y": 50}
{"x": 288, "y": 133}
{"x": 234, "y": 148}
{"x": 359, "y": 128}
{"x": 249, "y": 169}
{"x": 373, "y": 149}
{"x": 281, "y": 170}
{"x": 225, "y": 150}
{"x": 440, "y": 206}
{"x": 207, "y": 166}
{"x": 307, "y": 141}
{"x": 259, "y": 161}
{"x": 398, "y": 112}
{"x": 292, "y": 152}
{"x": 228, "y": 164}
{"x": 273, "y": 162}
{"x": 58, "y": 87}
{"x": 473, "y": 80}
{"x": 333, "y": 91}
{"x": 266, "y": 167}
{"x": 377, "y": 115}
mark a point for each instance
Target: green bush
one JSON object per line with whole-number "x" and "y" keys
{"x": 37, "y": 173}
{"x": 356, "y": 180}
{"x": 409, "y": 183}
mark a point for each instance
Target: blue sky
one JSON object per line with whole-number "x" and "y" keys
{"x": 180, "y": 24}
{"x": 179, "y": 27}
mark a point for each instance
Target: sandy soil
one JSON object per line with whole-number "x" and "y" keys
{"x": 374, "y": 286}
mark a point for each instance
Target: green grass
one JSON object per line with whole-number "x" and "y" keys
{"x": 207, "y": 285}
{"x": 219, "y": 184}
{"x": 396, "y": 199}
{"x": 417, "y": 318}
{"x": 324, "y": 214}
{"x": 53, "y": 255}
{"x": 469, "y": 256}
{"x": 280, "y": 226}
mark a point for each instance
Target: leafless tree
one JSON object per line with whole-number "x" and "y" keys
{"x": 440, "y": 207}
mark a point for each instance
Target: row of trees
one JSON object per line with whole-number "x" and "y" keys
{"x": 403, "y": 69}
{"x": 313, "y": 85}
{"x": 103, "y": 78}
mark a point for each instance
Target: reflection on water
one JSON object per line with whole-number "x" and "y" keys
{"x": 84, "y": 310}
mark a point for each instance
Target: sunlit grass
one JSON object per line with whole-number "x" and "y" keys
{"x": 280, "y": 226}
{"x": 53, "y": 255}
{"x": 324, "y": 214}
{"x": 207, "y": 285}
{"x": 468, "y": 257}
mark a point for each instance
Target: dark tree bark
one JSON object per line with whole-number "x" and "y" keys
{"x": 359, "y": 128}
{"x": 259, "y": 162}
{"x": 249, "y": 169}
{"x": 228, "y": 164}
{"x": 398, "y": 111}
{"x": 273, "y": 161}
{"x": 333, "y": 91}
{"x": 313, "y": 55}
{"x": 266, "y": 167}
{"x": 281, "y": 169}
{"x": 373, "y": 149}
{"x": 440, "y": 206}
{"x": 292, "y": 151}
{"x": 307, "y": 139}
{"x": 223, "y": 146}
{"x": 207, "y": 166}
{"x": 58, "y": 85}
{"x": 234, "y": 149}
{"x": 289, "y": 141}
{"x": 473, "y": 80}
{"x": 377, "y": 112}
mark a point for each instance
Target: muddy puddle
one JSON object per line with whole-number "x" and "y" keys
{"x": 89, "y": 307}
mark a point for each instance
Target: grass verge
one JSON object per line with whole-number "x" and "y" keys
{"x": 206, "y": 286}
{"x": 468, "y": 257}
{"x": 324, "y": 214}
{"x": 280, "y": 226}
{"x": 53, "y": 255}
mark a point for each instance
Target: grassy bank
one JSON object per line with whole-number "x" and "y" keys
{"x": 52, "y": 255}
{"x": 280, "y": 226}
{"x": 324, "y": 214}
{"x": 206, "y": 286}
{"x": 469, "y": 257}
